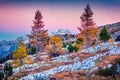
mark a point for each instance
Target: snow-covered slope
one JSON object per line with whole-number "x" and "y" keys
{"x": 101, "y": 47}
{"x": 87, "y": 64}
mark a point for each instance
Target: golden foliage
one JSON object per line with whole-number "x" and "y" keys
{"x": 20, "y": 53}
{"x": 78, "y": 46}
{"x": 55, "y": 40}
{"x": 92, "y": 34}
{"x": 16, "y": 63}
{"x": 81, "y": 44}
{"x": 28, "y": 60}
{"x": 111, "y": 40}
{"x": 99, "y": 41}
{"x": 81, "y": 36}
{"x": 55, "y": 45}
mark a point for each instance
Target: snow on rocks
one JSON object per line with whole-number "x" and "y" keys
{"x": 100, "y": 47}
{"x": 24, "y": 67}
{"x": 61, "y": 58}
{"x": 118, "y": 68}
{"x": 84, "y": 65}
{"x": 9, "y": 61}
{"x": 30, "y": 66}
{"x": 87, "y": 64}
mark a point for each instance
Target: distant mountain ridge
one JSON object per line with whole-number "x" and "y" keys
{"x": 61, "y": 32}
{"x": 7, "y": 47}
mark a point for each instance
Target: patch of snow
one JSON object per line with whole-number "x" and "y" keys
{"x": 30, "y": 67}
{"x": 101, "y": 47}
{"x": 84, "y": 65}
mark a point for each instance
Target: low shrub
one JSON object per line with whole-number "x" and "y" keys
{"x": 107, "y": 71}
{"x": 32, "y": 50}
{"x": 70, "y": 48}
{"x": 1, "y": 75}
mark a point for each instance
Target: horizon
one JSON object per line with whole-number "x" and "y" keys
{"x": 16, "y": 16}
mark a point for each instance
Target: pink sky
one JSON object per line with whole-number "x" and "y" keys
{"x": 18, "y": 18}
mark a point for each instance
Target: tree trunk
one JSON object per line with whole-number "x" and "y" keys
{"x": 97, "y": 37}
{"x": 87, "y": 39}
{"x": 87, "y": 36}
{"x": 36, "y": 51}
{"x": 36, "y": 47}
{"x": 21, "y": 62}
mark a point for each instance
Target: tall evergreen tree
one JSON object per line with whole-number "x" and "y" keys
{"x": 86, "y": 23}
{"x": 38, "y": 37}
{"x": 104, "y": 35}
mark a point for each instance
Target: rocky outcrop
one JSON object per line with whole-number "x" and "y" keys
{"x": 61, "y": 32}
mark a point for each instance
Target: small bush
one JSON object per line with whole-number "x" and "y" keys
{"x": 107, "y": 72}
{"x": 16, "y": 63}
{"x": 32, "y": 50}
{"x": 93, "y": 43}
{"x": 118, "y": 38}
{"x": 8, "y": 69}
{"x": 1, "y": 75}
{"x": 71, "y": 48}
{"x": 79, "y": 40}
{"x": 64, "y": 45}
{"x": 76, "y": 48}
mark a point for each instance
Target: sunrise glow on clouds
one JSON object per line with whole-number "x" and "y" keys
{"x": 16, "y": 19}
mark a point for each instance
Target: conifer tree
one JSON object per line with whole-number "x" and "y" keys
{"x": 71, "y": 48}
{"x": 1, "y": 75}
{"x": 104, "y": 35}
{"x": 86, "y": 23}
{"x": 38, "y": 36}
{"x": 20, "y": 52}
{"x": 8, "y": 70}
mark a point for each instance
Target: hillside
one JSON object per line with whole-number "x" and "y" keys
{"x": 84, "y": 60}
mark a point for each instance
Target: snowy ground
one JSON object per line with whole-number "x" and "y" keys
{"x": 100, "y": 47}
{"x": 61, "y": 58}
{"x": 41, "y": 64}
{"x": 87, "y": 64}
{"x": 30, "y": 67}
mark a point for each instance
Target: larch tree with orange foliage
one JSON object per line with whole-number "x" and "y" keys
{"x": 39, "y": 36}
{"x": 92, "y": 35}
{"x": 86, "y": 23}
